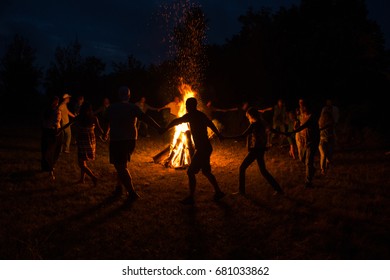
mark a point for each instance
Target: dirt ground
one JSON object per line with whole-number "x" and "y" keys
{"x": 345, "y": 216}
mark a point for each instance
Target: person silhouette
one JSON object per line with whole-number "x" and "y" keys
{"x": 51, "y": 140}
{"x": 199, "y": 123}
{"x": 123, "y": 134}
{"x": 309, "y": 129}
{"x": 86, "y": 123}
{"x": 256, "y": 135}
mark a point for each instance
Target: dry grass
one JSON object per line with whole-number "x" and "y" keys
{"x": 346, "y": 216}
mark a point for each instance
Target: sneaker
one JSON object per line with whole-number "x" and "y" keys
{"x": 218, "y": 196}
{"x": 189, "y": 200}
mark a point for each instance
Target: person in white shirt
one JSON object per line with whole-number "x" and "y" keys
{"x": 65, "y": 114}
{"x": 174, "y": 109}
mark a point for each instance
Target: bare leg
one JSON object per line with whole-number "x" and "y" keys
{"x": 126, "y": 180}
{"x": 86, "y": 170}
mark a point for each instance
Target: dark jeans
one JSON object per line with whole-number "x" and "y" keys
{"x": 309, "y": 152}
{"x": 258, "y": 155}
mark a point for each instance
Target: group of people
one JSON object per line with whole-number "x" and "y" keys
{"x": 57, "y": 135}
{"x": 121, "y": 130}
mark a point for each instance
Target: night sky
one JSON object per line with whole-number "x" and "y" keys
{"x": 112, "y": 30}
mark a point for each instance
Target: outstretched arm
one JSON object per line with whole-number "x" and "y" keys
{"x": 149, "y": 120}
{"x": 214, "y": 129}
{"x": 67, "y": 125}
{"x": 173, "y": 123}
{"x": 265, "y": 109}
{"x": 148, "y": 107}
{"x": 163, "y": 107}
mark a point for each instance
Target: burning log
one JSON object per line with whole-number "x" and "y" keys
{"x": 161, "y": 156}
{"x": 179, "y": 154}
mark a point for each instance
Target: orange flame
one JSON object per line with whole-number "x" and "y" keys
{"x": 180, "y": 155}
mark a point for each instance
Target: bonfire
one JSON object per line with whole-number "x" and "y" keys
{"x": 179, "y": 152}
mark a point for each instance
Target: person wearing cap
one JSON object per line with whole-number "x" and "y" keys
{"x": 65, "y": 114}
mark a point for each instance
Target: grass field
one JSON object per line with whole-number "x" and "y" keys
{"x": 346, "y": 215}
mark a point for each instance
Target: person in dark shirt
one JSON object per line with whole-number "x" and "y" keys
{"x": 123, "y": 133}
{"x": 51, "y": 141}
{"x": 199, "y": 123}
{"x": 256, "y": 135}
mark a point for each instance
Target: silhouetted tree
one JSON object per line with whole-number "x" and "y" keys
{"x": 19, "y": 75}
{"x": 92, "y": 80}
{"x": 72, "y": 73}
{"x": 64, "y": 74}
{"x": 319, "y": 48}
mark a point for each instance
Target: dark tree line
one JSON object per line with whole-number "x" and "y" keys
{"x": 319, "y": 49}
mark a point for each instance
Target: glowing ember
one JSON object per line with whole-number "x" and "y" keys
{"x": 182, "y": 143}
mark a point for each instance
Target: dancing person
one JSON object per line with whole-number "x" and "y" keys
{"x": 211, "y": 112}
{"x": 51, "y": 140}
{"x": 278, "y": 121}
{"x": 77, "y": 106}
{"x": 299, "y": 136}
{"x": 310, "y": 133}
{"x": 101, "y": 113}
{"x": 65, "y": 114}
{"x": 86, "y": 123}
{"x": 142, "y": 126}
{"x": 199, "y": 123}
{"x": 327, "y": 140}
{"x": 123, "y": 133}
{"x": 174, "y": 109}
{"x": 256, "y": 135}
{"x": 291, "y": 125}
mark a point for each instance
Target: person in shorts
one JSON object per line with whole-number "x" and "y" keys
{"x": 199, "y": 123}
{"x": 123, "y": 133}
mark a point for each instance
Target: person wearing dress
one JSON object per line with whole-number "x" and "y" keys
{"x": 86, "y": 123}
